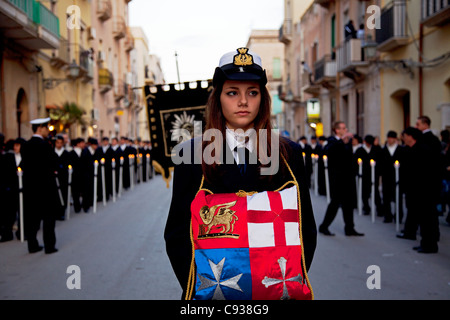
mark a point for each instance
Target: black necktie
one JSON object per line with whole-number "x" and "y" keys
{"x": 243, "y": 155}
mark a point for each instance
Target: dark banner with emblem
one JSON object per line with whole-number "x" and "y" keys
{"x": 173, "y": 111}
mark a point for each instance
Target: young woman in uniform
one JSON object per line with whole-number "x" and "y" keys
{"x": 241, "y": 229}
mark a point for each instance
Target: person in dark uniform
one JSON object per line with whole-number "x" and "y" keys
{"x": 307, "y": 150}
{"x": 117, "y": 153}
{"x": 423, "y": 123}
{"x": 87, "y": 159}
{"x": 366, "y": 153}
{"x": 418, "y": 175}
{"x": 323, "y": 141}
{"x": 391, "y": 153}
{"x": 62, "y": 164}
{"x": 243, "y": 104}
{"x": 105, "y": 152}
{"x": 342, "y": 180}
{"x": 9, "y": 188}
{"x": 126, "y": 182}
{"x": 78, "y": 171}
{"x": 41, "y": 201}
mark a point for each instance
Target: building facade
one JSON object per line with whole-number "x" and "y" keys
{"x": 26, "y": 27}
{"x": 381, "y": 78}
{"x": 266, "y": 44}
{"x": 145, "y": 69}
{"x": 112, "y": 42}
{"x": 67, "y": 72}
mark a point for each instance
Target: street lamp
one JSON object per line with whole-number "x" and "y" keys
{"x": 74, "y": 73}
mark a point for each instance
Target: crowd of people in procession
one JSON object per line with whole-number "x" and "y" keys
{"x": 47, "y": 162}
{"x": 49, "y": 165}
{"x": 423, "y": 166}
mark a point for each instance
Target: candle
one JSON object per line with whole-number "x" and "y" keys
{"x": 131, "y": 158}
{"x": 397, "y": 195}
{"x": 121, "y": 176}
{"x": 141, "y": 175}
{"x": 316, "y": 173}
{"x": 19, "y": 175}
{"x": 103, "y": 182}
{"x": 95, "y": 185}
{"x": 327, "y": 178}
{"x": 304, "y": 156}
{"x": 69, "y": 191}
{"x": 113, "y": 165}
{"x": 359, "y": 183}
{"x": 148, "y": 166}
{"x": 372, "y": 208}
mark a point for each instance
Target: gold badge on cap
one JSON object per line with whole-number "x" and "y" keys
{"x": 243, "y": 58}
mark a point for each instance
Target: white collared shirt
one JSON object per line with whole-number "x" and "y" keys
{"x": 59, "y": 151}
{"x": 392, "y": 148}
{"x": 235, "y": 140}
{"x": 18, "y": 158}
{"x": 105, "y": 148}
{"x": 77, "y": 151}
{"x": 356, "y": 147}
{"x": 38, "y": 136}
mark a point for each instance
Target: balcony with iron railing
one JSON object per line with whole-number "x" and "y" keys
{"x": 119, "y": 27}
{"x": 30, "y": 24}
{"x": 129, "y": 41}
{"x": 86, "y": 64}
{"x": 119, "y": 90}
{"x": 308, "y": 85}
{"x": 105, "y": 80}
{"x": 61, "y": 56}
{"x": 350, "y": 55}
{"x": 285, "y": 34}
{"x": 325, "y": 70}
{"x": 435, "y": 12}
{"x": 104, "y": 9}
{"x": 392, "y": 32}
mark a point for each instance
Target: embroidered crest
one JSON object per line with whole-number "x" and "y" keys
{"x": 219, "y": 216}
{"x": 243, "y": 58}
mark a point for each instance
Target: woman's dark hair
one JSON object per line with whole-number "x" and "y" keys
{"x": 215, "y": 120}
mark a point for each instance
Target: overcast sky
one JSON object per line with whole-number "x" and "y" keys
{"x": 200, "y": 31}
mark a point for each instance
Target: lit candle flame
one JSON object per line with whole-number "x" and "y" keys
{"x": 70, "y": 167}
{"x": 372, "y": 162}
{"x": 102, "y": 161}
{"x": 397, "y": 163}
{"x": 325, "y": 158}
{"x": 148, "y": 155}
{"x": 360, "y": 161}
{"x": 19, "y": 169}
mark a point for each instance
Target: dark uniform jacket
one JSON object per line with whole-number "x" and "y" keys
{"x": 39, "y": 166}
{"x": 186, "y": 183}
{"x": 108, "y": 156}
{"x": 341, "y": 170}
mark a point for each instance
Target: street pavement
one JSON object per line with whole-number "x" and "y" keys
{"x": 120, "y": 253}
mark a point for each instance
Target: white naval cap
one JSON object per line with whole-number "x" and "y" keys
{"x": 240, "y": 65}
{"x": 244, "y": 56}
{"x": 40, "y": 121}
